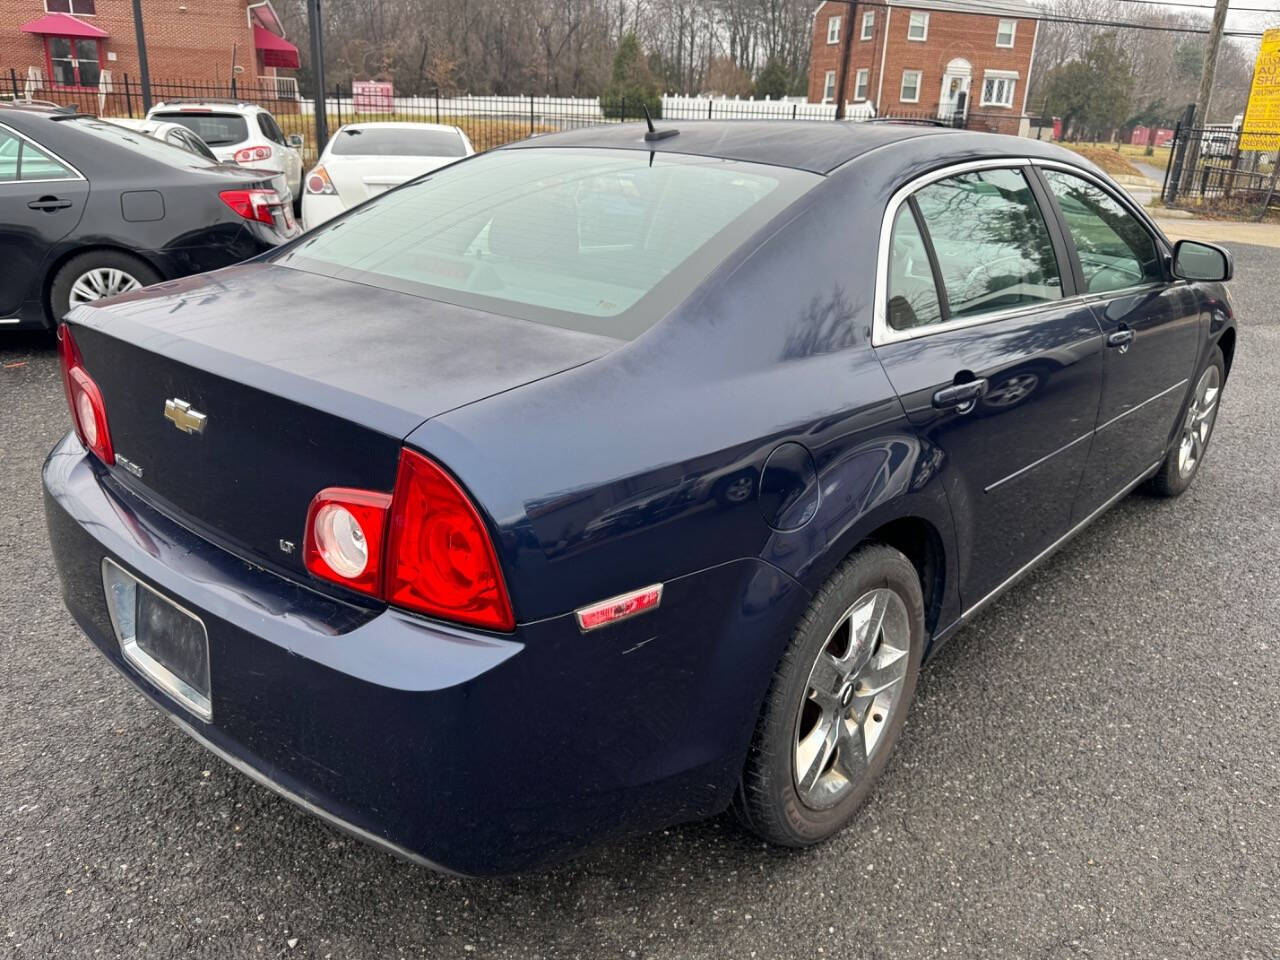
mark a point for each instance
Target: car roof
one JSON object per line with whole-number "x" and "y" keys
{"x": 226, "y": 106}
{"x": 401, "y": 125}
{"x": 818, "y": 146}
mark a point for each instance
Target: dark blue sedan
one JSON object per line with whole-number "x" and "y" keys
{"x": 599, "y": 482}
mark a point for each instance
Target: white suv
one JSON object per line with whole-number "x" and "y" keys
{"x": 237, "y": 132}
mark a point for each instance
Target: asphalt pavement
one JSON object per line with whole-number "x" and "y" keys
{"x": 1092, "y": 769}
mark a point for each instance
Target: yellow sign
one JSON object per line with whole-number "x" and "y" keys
{"x": 1262, "y": 117}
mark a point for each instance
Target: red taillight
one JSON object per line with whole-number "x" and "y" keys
{"x": 345, "y": 533}
{"x": 318, "y": 182}
{"x": 440, "y": 559}
{"x": 258, "y": 205}
{"x": 88, "y": 412}
{"x": 252, "y": 154}
{"x": 424, "y": 548}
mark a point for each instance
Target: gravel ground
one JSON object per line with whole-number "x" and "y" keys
{"x": 1090, "y": 770}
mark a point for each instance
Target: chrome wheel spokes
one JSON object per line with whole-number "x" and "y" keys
{"x": 1198, "y": 423}
{"x": 101, "y": 282}
{"x": 854, "y": 687}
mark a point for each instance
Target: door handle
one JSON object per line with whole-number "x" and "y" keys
{"x": 962, "y": 395}
{"x": 49, "y": 204}
{"x": 1121, "y": 339}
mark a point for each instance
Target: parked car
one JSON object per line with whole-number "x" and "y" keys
{"x": 363, "y": 160}
{"x": 488, "y": 544}
{"x": 174, "y": 134}
{"x": 89, "y": 209}
{"x": 241, "y": 133}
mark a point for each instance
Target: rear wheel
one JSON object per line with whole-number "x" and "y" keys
{"x": 1183, "y": 460}
{"x": 838, "y": 701}
{"x": 95, "y": 275}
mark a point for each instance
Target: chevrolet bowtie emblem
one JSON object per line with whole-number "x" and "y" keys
{"x": 180, "y": 414}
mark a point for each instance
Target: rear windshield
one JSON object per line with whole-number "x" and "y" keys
{"x": 141, "y": 142}
{"x": 603, "y": 241}
{"x": 215, "y": 129}
{"x": 398, "y": 142}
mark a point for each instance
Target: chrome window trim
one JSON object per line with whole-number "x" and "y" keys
{"x": 1133, "y": 209}
{"x": 43, "y": 149}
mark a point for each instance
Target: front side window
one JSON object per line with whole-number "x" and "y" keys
{"x": 997, "y": 89}
{"x": 868, "y": 24}
{"x": 829, "y": 87}
{"x": 910, "y": 92}
{"x": 81, "y": 8}
{"x": 1115, "y": 250}
{"x": 833, "y": 29}
{"x": 918, "y": 26}
{"x": 601, "y": 241}
{"x": 1005, "y": 33}
{"x": 993, "y": 248}
{"x": 73, "y": 61}
{"x": 860, "y": 82}
{"x": 912, "y": 299}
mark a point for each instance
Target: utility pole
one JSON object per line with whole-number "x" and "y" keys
{"x": 142, "y": 55}
{"x": 846, "y": 48}
{"x": 1205, "y": 96}
{"x": 317, "y": 73}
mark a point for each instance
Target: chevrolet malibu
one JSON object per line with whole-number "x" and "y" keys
{"x": 613, "y": 479}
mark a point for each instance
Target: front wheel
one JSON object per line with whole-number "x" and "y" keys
{"x": 1183, "y": 460}
{"x": 838, "y": 701}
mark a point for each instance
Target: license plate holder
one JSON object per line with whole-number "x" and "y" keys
{"x": 162, "y": 640}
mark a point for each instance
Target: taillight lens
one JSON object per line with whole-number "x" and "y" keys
{"x": 318, "y": 182}
{"x": 258, "y": 205}
{"x": 440, "y": 559}
{"x": 88, "y": 412}
{"x": 345, "y": 533}
{"x": 252, "y": 154}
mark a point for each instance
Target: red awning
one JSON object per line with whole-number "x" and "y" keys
{"x": 276, "y": 51}
{"x": 63, "y": 25}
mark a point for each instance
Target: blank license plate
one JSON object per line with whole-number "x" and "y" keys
{"x": 165, "y": 643}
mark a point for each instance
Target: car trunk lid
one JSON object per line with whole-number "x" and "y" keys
{"x": 357, "y": 178}
{"x": 304, "y": 382}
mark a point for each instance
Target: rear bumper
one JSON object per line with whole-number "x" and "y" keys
{"x": 464, "y": 751}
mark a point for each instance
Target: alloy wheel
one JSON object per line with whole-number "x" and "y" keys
{"x": 854, "y": 687}
{"x": 99, "y": 283}
{"x": 1199, "y": 421}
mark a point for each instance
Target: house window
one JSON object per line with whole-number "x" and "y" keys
{"x": 829, "y": 87}
{"x": 868, "y": 24}
{"x": 997, "y": 88}
{"x": 833, "y": 29}
{"x": 81, "y": 8}
{"x": 1005, "y": 33}
{"x": 861, "y": 80}
{"x": 910, "y": 92}
{"x": 918, "y": 26}
{"x": 73, "y": 61}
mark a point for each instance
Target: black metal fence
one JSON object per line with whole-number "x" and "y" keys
{"x": 488, "y": 121}
{"x": 1217, "y": 169}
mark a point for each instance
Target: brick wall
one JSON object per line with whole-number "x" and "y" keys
{"x": 951, "y": 36}
{"x": 195, "y": 44}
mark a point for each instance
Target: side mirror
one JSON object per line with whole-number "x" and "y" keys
{"x": 1193, "y": 260}
{"x": 295, "y": 140}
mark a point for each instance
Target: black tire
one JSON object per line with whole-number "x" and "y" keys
{"x": 768, "y": 801}
{"x": 82, "y": 263}
{"x": 1172, "y": 480}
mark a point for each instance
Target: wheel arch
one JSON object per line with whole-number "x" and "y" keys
{"x": 1227, "y": 344}
{"x": 63, "y": 257}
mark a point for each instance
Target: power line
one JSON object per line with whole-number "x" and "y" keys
{"x": 1199, "y": 6}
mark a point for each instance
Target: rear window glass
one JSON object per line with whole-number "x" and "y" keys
{"x": 603, "y": 241}
{"x": 215, "y": 129}
{"x": 398, "y": 142}
{"x": 141, "y": 142}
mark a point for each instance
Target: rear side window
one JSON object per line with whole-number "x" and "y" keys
{"x": 603, "y": 241}
{"x": 19, "y": 160}
{"x": 398, "y": 142}
{"x": 215, "y": 129}
{"x": 993, "y": 248}
{"x": 270, "y": 129}
{"x": 1115, "y": 250}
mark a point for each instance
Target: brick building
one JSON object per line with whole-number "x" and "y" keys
{"x": 935, "y": 57}
{"x": 80, "y": 45}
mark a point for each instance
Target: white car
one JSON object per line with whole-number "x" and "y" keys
{"x": 174, "y": 134}
{"x": 237, "y": 132}
{"x": 363, "y": 160}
